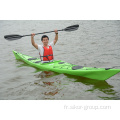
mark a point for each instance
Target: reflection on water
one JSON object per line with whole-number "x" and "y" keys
{"x": 52, "y": 92}
{"x": 57, "y": 85}
{"x": 45, "y": 74}
{"x": 96, "y": 84}
{"x": 52, "y": 85}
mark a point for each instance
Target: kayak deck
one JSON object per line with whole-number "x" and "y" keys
{"x": 67, "y": 68}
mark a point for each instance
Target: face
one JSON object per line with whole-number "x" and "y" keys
{"x": 45, "y": 41}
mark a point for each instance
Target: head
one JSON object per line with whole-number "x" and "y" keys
{"x": 45, "y": 39}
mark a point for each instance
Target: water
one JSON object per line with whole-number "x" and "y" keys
{"x": 94, "y": 44}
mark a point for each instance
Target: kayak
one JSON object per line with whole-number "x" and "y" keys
{"x": 67, "y": 68}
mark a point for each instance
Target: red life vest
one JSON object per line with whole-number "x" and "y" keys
{"x": 47, "y": 54}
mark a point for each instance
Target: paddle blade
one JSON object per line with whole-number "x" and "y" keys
{"x": 12, "y": 37}
{"x": 71, "y": 28}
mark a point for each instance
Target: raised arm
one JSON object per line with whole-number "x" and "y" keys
{"x": 56, "y": 37}
{"x": 33, "y": 42}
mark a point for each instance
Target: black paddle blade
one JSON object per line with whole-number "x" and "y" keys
{"x": 71, "y": 28}
{"x": 12, "y": 37}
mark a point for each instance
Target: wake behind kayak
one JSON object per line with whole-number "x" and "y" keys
{"x": 67, "y": 68}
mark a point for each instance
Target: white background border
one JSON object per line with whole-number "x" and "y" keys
{"x": 59, "y": 9}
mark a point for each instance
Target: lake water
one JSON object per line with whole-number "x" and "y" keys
{"x": 94, "y": 44}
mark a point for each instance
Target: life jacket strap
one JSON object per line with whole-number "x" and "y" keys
{"x": 46, "y": 57}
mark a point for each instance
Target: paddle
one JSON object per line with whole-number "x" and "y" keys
{"x": 15, "y": 37}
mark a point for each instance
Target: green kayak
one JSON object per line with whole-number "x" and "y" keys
{"x": 67, "y": 68}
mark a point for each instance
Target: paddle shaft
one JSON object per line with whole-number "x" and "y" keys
{"x": 41, "y": 33}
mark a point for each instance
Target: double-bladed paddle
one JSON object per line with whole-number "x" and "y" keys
{"x": 15, "y": 36}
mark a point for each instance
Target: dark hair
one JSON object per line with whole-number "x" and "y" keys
{"x": 44, "y": 36}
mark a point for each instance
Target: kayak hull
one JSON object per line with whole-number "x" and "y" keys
{"x": 67, "y": 68}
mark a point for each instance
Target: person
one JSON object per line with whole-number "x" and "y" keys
{"x": 45, "y": 50}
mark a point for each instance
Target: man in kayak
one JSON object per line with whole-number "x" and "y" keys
{"x": 45, "y": 50}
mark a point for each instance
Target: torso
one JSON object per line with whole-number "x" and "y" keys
{"x": 41, "y": 49}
